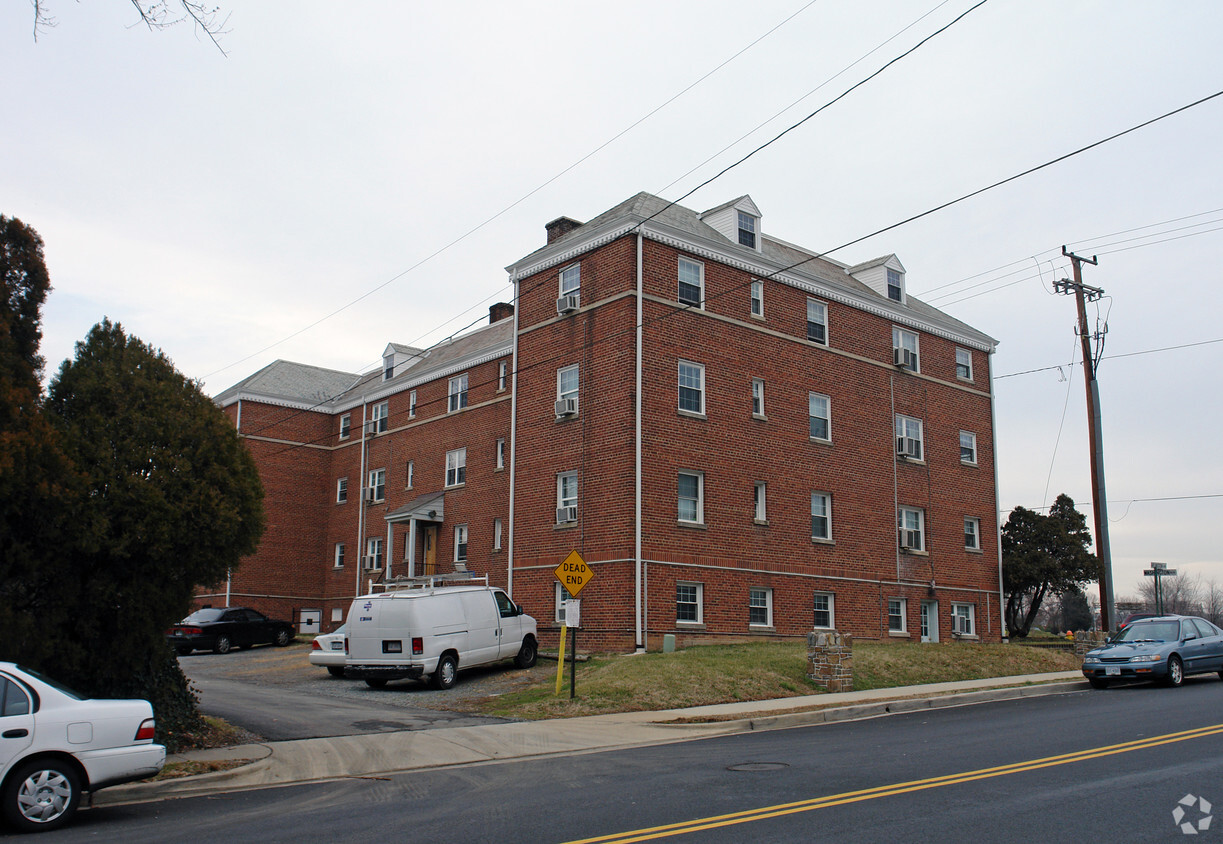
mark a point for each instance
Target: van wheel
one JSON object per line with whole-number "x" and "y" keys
{"x": 41, "y": 795}
{"x": 447, "y": 672}
{"x": 526, "y": 654}
{"x": 375, "y": 682}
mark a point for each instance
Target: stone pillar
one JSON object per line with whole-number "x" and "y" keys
{"x": 1085, "y": 640}
{"x": 830, "y": 660}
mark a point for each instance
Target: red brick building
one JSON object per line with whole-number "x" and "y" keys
{"x": 740, "y": 437}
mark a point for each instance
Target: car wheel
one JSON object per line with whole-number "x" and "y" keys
{"x": 335, "y": 670}
{"x": 1176, "y": 671}
{"x": 283, "y": 637}
{"x": 41, "y": 795}
{"x": 447, "y": 672}
{"x": 183, "y": 650}
{"x": 527, "y": 653}
{"x": 1097, "y": 683}
{"x": 375, "y": 682}
{"x": 221, "y": 645}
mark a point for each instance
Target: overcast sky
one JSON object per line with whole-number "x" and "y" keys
{"x": 293, "y": 199}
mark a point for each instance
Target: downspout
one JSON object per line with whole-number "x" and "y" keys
{"x": 640, "y": 602}
{"x": 509, "y": 574}
{"x": 993, "y": 436}
{"x": 361, "y": 502}
{"x": 229, "y": 573}
{"x": 895, "y": 486}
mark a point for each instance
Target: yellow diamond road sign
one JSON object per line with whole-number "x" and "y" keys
{"x": 574, "y": 573}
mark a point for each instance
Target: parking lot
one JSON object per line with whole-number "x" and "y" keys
{"x": 277, "y": 695}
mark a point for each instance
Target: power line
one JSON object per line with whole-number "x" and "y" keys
{"x": 1114, "y": 357}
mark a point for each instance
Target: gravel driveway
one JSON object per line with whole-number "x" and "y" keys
{"x": 278, "y": 695}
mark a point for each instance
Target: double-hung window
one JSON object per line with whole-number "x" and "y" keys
{"x": 691, "y": 495}
{"x": 821, "y": 516}
{"x": 909, "y": 442}
{"x": 823, "y": 610}
{"x": 757, "y": 397}
{"x": 911, "y": 523}
{"x": 460, "y": 543}
{"x": 905, "y": 352}
{"x": 691, "y": 282}
{"x": 388, "y": 367}
{"x": 566, "y": 497}
{"x": 817, "y": 322}
{"x": 760, "y": 511}
{"x": 502, "y": 368}
{"x": 963, "y": 364}
{"x": 373, "y": 553}
{"x": 691, "y": 387}
{"x": 972, "y": 533}
{"x": 757, "y": 309}
{"x": 497, "y": 534}
{"x": 457, "y": 393}
{"x": 339, "y": 555}
{"x": 963, "y": 620}
{"x": 688, "y": 603}
{"x": 456, "y": 467}
{"x": 819, "y": 416}
{"x": 380, "y": 417}
{"x": 500, "y": 453}
{"x": 412, "y": 404}
{"x": 377, "y": 485}
{"x": 760, "y": 607}
{"x": 411, "y": 474}
{"x": 341, "y": 491}
{"x": 895, "y": 285}
{"x": 747, "y": 230}
{"x": 567, "y": 390}
{"x": 896, "y": 615}
{"x": 571, "y": 280}
{"x": 345, "y": 426}
{"x": 968, "y": 448}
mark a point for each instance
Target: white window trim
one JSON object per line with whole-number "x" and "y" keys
{"x": 338, "y": 556}
{"x": 374, "y": 557}
{"x": 968, "y": 354}
{"x": 700, "y": 368}
{"x": 971, "y": 616}
{"x": 700, "y": 604}
{"x": 381, "y": 416}
{"x": 899, "y": 336}
{"x": 563, "y": 501}
{"x": 411, "y": 474}
{"x": 377, "y": 481}
{"x": 832, "y": 607}
{"x": 827, "y": 516}
{"x": 827, "y": 418}
{"x": 560, "y": 595}
{"x": 768, "y": 608}
{"x": 975, "y": 456}
{"x": 700, "y": 304}
{"x": 700, "y": 498}
{"x": 740, "y": 215}
{"x": 758, "y": 393}
{"x": 760, "y": 508}
{"x": 500, "y": 453}
{"x": 412, "y": 404}
{"x": 903, "y": 431}
{"x": 756, "y": 299}
{"x": 502, "y": 370}
{"x": 887, "y": 283}
{"x": 461, "y": 540}
{"x": 388, "y": 367}
{"x": 456, "y": 393}
{"x": 822, "y": 308}
{"x": 976, "y": 523}
{"x": 341, "y": 489}
{"x": 902, "y": 524}
{"x": 345, "y": 426}
{"x": 456, "y": 460}
{"x": 498, "y": 529}
{"x": 562, "y": 277}
{"x": 904, "y": 616}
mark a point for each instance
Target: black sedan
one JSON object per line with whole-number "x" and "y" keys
{"x": 219, "y": 629}
{"x": 1167, "y": 648}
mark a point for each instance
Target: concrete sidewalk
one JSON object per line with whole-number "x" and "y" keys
{"x": 306, "y": 760}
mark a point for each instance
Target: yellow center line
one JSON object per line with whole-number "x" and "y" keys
{"x": 696, "y": 825}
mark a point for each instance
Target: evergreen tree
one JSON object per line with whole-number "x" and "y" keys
{"x": 1043, "y": 556}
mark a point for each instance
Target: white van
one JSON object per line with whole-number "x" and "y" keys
{"x": 433, "y": 630}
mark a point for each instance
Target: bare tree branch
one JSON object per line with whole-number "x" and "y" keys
{"x": 159, "y": 14}
{"x": 42, "y": 20}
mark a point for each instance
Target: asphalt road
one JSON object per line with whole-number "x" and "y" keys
{"x": 277, "y": 695}
{"x": 1082, "y": 766}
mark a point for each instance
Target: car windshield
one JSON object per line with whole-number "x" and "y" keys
{"x": 1151, "y": 631}
{"x": 203, "y": 616}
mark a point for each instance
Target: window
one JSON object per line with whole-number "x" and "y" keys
{"x": 388, "y": 367}
{"x": 571, "y": 279}
{"x": 688, "y": 603}
{"x": 345, "y": 426}
{"x": 691, "y": 387}
{"x": 896, "y": 615}
{"x": 817, "y": 322}
{"x": 339, "y": 555}
{"x": 821, "y": 516}
{"x": 377, "y": 485}
{"x": 412, "y": 404}
{"x": 566, "y": 497}
{"x": 963, "y": 619}
{"x": 972, "y": 533}
{"x": 904, "y": 349}
{"x": 747, "y": 230}
{"x": 456, "y": 467}
{"x": 823, "y": 609}
{"x": 968, "y": 448}
{"x": 691, "y": 282}
{"x": 380, "y": 417}
{"x": 909, "y": 437}
{"x": 341, "y": 491}
{"x": 818, "y": 414}
{"x": 460, "y": 543}
{"x": 496, "y": 534}
{"x": 560, "y": 596}
{"x": 963, "y": 364}
{"x": 895, "y": 285}
{"x": 758, "y": 299}
{"x": 501, "y": 370}
{"x": 760, "y": 607}
{"x": 567, "y": 389}
{"x": 411, "y": 475}
{"x": 457, "y": 393}
{"x": 691, "y": 497}
{"x": 13, "y": 700}
{"x": 757, "y": 397}
{"x": 373, "y": 553}
{"x": 501, "y": 453}
{"x": 759, "y": 510}
{"x": 912, "y": 525}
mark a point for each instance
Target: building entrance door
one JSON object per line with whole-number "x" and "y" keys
{"x": 929, "y": 621}
{"x": 430, "y": 550}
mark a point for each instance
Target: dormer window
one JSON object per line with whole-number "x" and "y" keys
{"x": 747, "y": 230}
{"x": 388, "y": 367}
{"x": 895, "y": 285}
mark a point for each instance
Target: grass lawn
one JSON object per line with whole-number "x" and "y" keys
{"x": 710, "y": 674}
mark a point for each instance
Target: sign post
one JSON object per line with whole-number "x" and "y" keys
{"x": 1159, "y": 571}
{"x": 573, "y": 574}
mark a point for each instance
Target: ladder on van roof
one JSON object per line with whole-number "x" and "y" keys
{"x": 430, "y": 581}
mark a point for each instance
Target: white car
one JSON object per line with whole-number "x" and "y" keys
{"x": 54, "y": 745}
{"x": 330, "y": 650}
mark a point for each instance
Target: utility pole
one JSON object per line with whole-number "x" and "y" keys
{"x": 1084, "y": 293}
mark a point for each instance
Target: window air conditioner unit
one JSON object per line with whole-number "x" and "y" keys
{"x": 566, "y": 407}
{"x": 367, "y": 562}
{"x": 904, "y": 358}
{"x": 908, "y": 447}
{"x": 371, "y": 494}
{"x": 371, "y": 427}
{"x": 568, "y": 303}
{"x": 566, "y": 514}
{"x": 910, "y": 540}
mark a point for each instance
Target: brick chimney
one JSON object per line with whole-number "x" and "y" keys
{"x": 560, "y": 227}
{"x": 499, "y": 311}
